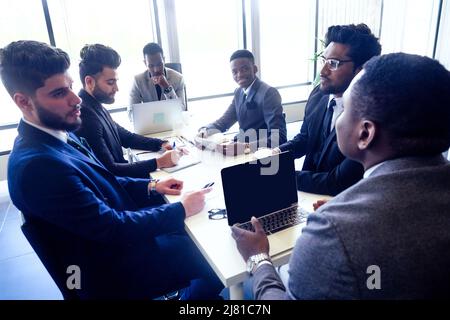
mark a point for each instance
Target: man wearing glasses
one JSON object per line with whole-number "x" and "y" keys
{"x": 325, "y": 169}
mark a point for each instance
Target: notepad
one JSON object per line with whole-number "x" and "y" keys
{"x": 185, "y": 161}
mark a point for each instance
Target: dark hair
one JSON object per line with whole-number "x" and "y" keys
{"x": 94, "y": 57}
{"x": 242, "y": 54}
{"x": 408, "y": 96}
{"x": 25, "y": 65}
{"x": 363, "y": 44}
{"x": 152, "y": 48}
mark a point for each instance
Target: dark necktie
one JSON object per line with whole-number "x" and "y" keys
{"x": 84, "y": 147}
{"x": 328, "y": 117}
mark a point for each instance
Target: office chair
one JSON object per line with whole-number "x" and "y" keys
{"x": 177, "y": 67}
{"x": 46, "y": 248}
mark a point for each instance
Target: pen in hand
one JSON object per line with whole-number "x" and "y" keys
{"x": 208, "y": 185}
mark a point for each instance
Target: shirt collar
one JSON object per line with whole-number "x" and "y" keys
{"x": 58, "y": 134}
{"x": 339, "y": 101}
{"x": 369, "y": 171}
{"x": 247, "y": 91}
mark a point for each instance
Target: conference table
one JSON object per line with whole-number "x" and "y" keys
{"x": 213, "y": 237}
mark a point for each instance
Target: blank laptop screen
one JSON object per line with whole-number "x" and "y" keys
{"x": 257, "y": 188}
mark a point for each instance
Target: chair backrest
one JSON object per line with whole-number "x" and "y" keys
{"x": 46, "y": 248}
{"x": 177, "y": 67}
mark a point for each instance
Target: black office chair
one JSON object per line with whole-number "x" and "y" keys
{"x": 177, "y": 67}
{"x": 46, "y": 248}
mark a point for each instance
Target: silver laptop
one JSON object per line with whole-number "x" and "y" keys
{"x": 156, "y": 116}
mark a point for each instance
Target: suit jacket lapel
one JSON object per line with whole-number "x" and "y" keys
{"x": 321, "y": 109}
{"x": 253, "y": 90}
{"x": 245, "y": 104}
{"x": 104, "y": 117}
{"x": 34, "y": 134}
{"x": 327, "y": 144}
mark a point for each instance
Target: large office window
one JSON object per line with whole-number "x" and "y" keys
{"x": 333, "y": 12}
{"x": 16, "y": 17}
{"x": 208, "y": 33}
{"x": 409, "y": 26}
{"x": 124, "y": 26}
{"x": 286, "y": 44}
{"x": 443, "y": 48}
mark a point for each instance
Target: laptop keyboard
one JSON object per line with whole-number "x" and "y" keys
{"x": 279, "y": 220}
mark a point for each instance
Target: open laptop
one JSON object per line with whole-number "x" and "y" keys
{"x": 266, "y": 189}
{"x": 156, "y": 116}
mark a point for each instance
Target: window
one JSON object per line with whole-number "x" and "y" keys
{"x": 16, "y": 16}
{"x": 349, "y": 11}
{"x": 443, "y": 48}
{"x": 124, "y": 26}
{"x": 208, "y": 33}
{"x": 412, "y": 31}
{"x": 286, "y": 42}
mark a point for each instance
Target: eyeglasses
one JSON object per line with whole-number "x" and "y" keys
{"x": 333, "y": 64}
{"x": 217, "y": 214}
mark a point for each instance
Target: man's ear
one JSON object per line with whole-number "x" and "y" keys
{"x": 89, "y": 83}
{"x": 367, "y": 132}
{"x": 255, "y": 68}
{"x": 23, "y": 101}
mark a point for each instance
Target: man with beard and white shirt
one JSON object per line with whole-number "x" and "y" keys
{"x": 98, "y": 74}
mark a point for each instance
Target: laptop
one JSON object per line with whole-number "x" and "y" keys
{"x": 266, "y": 189}
{"x": 156, "y": 116}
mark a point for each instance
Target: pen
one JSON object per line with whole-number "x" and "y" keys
{"x": 208, "y": 185}
{"x": 184, "y": 138}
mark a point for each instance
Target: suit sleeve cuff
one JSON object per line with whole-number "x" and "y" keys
{"x": 285, "y": 147}
{"x": 152, "y": 165}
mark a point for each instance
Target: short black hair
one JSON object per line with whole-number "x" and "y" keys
{"x": 94, "y": 57}
{"x": 363, "y": 44}
{"x": 408, "y": 96}
{"x": 152, "y": 48}
{"x": 242, "y": 54}
{"x": 25, "y": 65}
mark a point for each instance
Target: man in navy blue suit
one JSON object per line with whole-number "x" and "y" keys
{"x": 325, "y": 169}
{"x": 125, "y": 242}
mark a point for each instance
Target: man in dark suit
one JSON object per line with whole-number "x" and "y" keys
{"x": 99, "y": 78}
{"x": 387, "y": 236}
{"x": 114, "y": 229}
{"x": 256, "y": 106}
{"x": 325, "y": 170}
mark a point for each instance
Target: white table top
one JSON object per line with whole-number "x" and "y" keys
{"x": 213, "y": 237}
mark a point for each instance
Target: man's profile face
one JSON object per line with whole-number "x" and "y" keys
{"x": 155, "y": 64}
{"x": 244, "y": 72}
{"x": 336, "y": 81}
{"x": 106, "y": 86}
{"x": 56, "y": 106}
{"x": 348, "y": 125}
